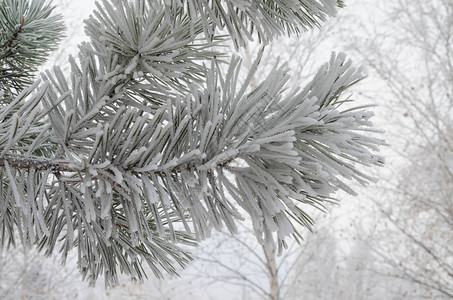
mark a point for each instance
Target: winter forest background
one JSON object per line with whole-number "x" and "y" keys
{"x": 392, "y": 241}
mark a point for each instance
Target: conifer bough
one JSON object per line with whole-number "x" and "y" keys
{"x": 151, "y": 140}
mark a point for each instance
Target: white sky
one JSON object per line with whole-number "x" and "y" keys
{"x": 74, "y": 12}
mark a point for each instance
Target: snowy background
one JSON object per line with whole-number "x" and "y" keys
{"x": 355, "y": 251}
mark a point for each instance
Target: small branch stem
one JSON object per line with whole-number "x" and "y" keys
{"x": 8, "y": 44}
{"x": 42, "y": 165}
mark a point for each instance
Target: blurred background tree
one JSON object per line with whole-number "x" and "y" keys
{"x": 408, "y": 48}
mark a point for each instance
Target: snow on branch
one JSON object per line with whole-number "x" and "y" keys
{"x": 110, "y": 176}
{"x": 265, "y": 18}
{"x": 153, "y": 50}
{"x": 148, "y": 143}
{"x": 28, "y": 33}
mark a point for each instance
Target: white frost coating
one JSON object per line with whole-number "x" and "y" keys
{"x": 284, "y": 226}
{"x": 169, "y": 165}
{"x": 250, "y": 148}
{"x": 150, "y": 192}
{"x": 106, "y": 203}
{"x": 135, "y": 156}
{"x": 138, "y": 74}
{"x": 118, "y": 174}
{"x": 147, "y": 168}
{"x": 108, "y": 187}
{"x": 152, "y": 146}
{"x": 132, "y": 65}
{"x": 189, "y": 179}
{"x": 92, "y": 171}
{"x": 190, "y": 156}
{"x": 218, "y": 159}
{"x": 269, "y": 222}
{"x": 90, "y": 212}
{"x": 12, "y": 134}
{"x": 17, "y": 194}
{"x": 204, "y": 135}
{"x": 102, "y": 165}
{"x": 101, "y": 189}
{"x": 288, "y": 136}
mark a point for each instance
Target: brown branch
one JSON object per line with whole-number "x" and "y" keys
{"x": 42, "y": 165}
{"x": 14, "y": 37}
{"x": 57, "y": 166}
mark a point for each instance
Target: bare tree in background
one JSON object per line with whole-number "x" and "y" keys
{"x": 322, "y": 268}
{"x": 30, "y": 275}
{"x": 413, "y": 235}
{"x": 240, "y": 261}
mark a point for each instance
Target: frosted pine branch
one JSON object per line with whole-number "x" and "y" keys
{"x": 177, "y": 160}
{"x": 267, "y": 19}
{"x": 28, "y": 32}
{"x": 148, "y": 143}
